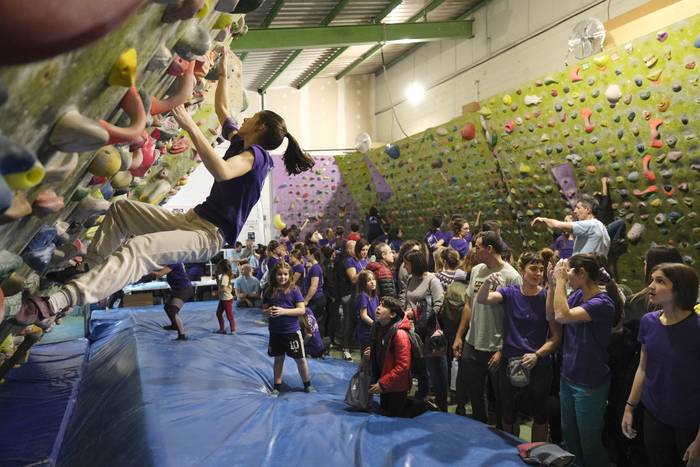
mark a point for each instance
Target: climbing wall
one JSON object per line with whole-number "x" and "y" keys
{"x": 320, "y": 196}
{"x": 629, "y": 113}
{"x": 152, "y": 60}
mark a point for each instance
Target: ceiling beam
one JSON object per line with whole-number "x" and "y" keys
{"x": 338, "y": 36}
{"x": 414, "y": 48}
{"x": 325, "y": 22}
{"x": 337, "y": 52}
{"x": 421, "y": 14}
{"x": 272, "y": 14}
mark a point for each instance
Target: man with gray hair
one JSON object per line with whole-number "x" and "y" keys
{"x": 590, "y": 235}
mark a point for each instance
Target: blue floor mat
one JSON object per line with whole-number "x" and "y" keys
{"x": 36, "y": 401}
{"x": 148, "y": 400}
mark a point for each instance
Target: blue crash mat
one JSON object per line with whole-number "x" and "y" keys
{"x": 36, "y": 401}
{"x": 148, "y": 400}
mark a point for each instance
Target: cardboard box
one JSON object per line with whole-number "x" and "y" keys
{"x": 469, "y": 108}
{"x": 138, "y": 299}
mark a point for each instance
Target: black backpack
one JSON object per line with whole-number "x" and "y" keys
{"x": 418, "y": 367}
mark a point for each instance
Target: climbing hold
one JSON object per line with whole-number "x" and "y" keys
{"x": 531, "y": 100}
{"x": 123, "y": 72}
{"x": 613, "y": 93}
{"x": 592, "y": 169}
{"x": 107, "y": 162}
{"x": 73, "y": 132}
{"x": 586, "y": 114}
{"x": 674, "y": 156}
{"x": 47, "y": 202}
{"x": 183, "y": 91}
{"x": 648, "y": 173}
{"x": 642, "y": 193}
{"x": 655, "y": 75}
{"x": 676, "y": 87}
{"x": 441, "y": 131}
{"x": 660, "y": 218}
{"x": 194, "y": 42}
{"x": 663, "y": 105}
{"x": 133, "y": 106}
{"x": 507, "y": 99}
{"x": 650, "y": 60}
{"x": 644, "y": 95}
{"x": 654, "y": 124}
{"x": 633, "y": 176}
{"x": 181, "y": 10}
{"x": 122, "y": 179}
{"x": 468, "y": 131}
{"x": 661, "y": 36}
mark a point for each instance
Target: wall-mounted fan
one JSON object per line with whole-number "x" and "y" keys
{"x": 587, "y": 38}
{"x": 363, "y": 143}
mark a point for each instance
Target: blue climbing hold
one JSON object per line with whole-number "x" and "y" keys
{"x": 392, "y": 150}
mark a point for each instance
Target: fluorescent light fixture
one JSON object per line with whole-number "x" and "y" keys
{"x": 415, "y": 92}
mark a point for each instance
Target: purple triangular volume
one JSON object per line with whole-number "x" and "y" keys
{"x": 564, "y": 175}
{"x": 380, "y": 184}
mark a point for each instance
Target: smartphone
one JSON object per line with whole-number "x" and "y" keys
{"x": 251, "y": 236}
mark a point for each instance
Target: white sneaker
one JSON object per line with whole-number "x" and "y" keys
{"x": 346, "y": 355}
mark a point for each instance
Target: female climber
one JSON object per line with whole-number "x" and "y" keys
{"x": 163, "y": 237}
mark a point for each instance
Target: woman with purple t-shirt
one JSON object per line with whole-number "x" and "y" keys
{"x": 161, "y": 237}
{"x": 588, "y": 316}
{"x": 315, "y": 291}
{"x": 667, "y": 381}
{"x": 354, "y": 265}
{"x": 284, "y": 304}
{"x": 296, "y": 259}
{"x": 367, "y": 303}
{"x": 529, "y": 339}
{"x": 461, "y": 239}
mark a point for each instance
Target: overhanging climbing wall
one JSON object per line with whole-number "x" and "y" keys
{"x": 629, "y": 113}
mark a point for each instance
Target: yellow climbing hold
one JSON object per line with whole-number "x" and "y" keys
{"x": 524, "y": 169}
{"x": 123, "y": 71}
{"x": 654, "y": 76}
{"x": 601, "y": 61}
{"x": 278, "y": 223}
{"x": 507, "y": 100}
{"x": 656, "y": 202}
{"x": 224, "y": 21}
{"x": 204, "y": 11}
{"x": 485, "y": 112}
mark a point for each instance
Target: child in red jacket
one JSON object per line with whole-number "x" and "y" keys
{"x": 391, "y": 357}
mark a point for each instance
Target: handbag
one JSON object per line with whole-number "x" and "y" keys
{"x": 518, "y": 375}
{"x": 436, "y": 345}
{"x": 357, "y": 395}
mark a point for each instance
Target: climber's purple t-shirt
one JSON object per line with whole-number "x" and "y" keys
{"x": 461, "y": 245}
{"x": 177, "y": 278}
{"x": 284, "y": 324}
{"x": 230, "y": 201}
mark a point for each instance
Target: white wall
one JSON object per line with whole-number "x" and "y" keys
{"x": 449, "y": 69}
{"x": 325, "y": 114}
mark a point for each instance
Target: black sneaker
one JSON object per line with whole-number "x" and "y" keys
{"x": 65, "y": 275}
{"x": 180, "y": 337}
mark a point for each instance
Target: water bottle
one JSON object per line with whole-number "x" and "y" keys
{"x": 453, "y": 374}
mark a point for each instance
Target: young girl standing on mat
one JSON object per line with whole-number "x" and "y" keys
{"x": 163, "y": 237}
{"x": 284, "y": 304}
{"x": 224, "y": 283}
{"x": 367, "y": 303}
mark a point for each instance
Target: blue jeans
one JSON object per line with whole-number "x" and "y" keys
{"x": 437, "y": 376}
{"x": 582, "y": 418}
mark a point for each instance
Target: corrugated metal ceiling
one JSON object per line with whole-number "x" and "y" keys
{"x": 259, "y": 66}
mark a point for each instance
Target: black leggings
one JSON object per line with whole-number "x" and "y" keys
{"x": 536, "y": 393}
{"x": 397, "y": 404}
{"x": 478, "y": 377}
{"x": 665, "y": 444}
{"x": 318, "y": 306}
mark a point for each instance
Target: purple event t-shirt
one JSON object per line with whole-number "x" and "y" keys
{"x": 564, "y": 246}
{"x": 230, "y": 201}
{"x": 313, "y": 345}
{"x": 301, "y": 283}
{"x": 672, "y": 379}
{"x": 461, "y": 245}
{"x": 364, "y": 329}
{"x": 284, "y": 324}
{"x": 525, "y": 326}
{"x": 585, "y": 351}
{"x": 359, "y": 265}
{"x": 177, "y": 278}
{"x": 315, "y": 271}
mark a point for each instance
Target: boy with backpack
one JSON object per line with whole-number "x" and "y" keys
{"x": 396, "y": 357}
